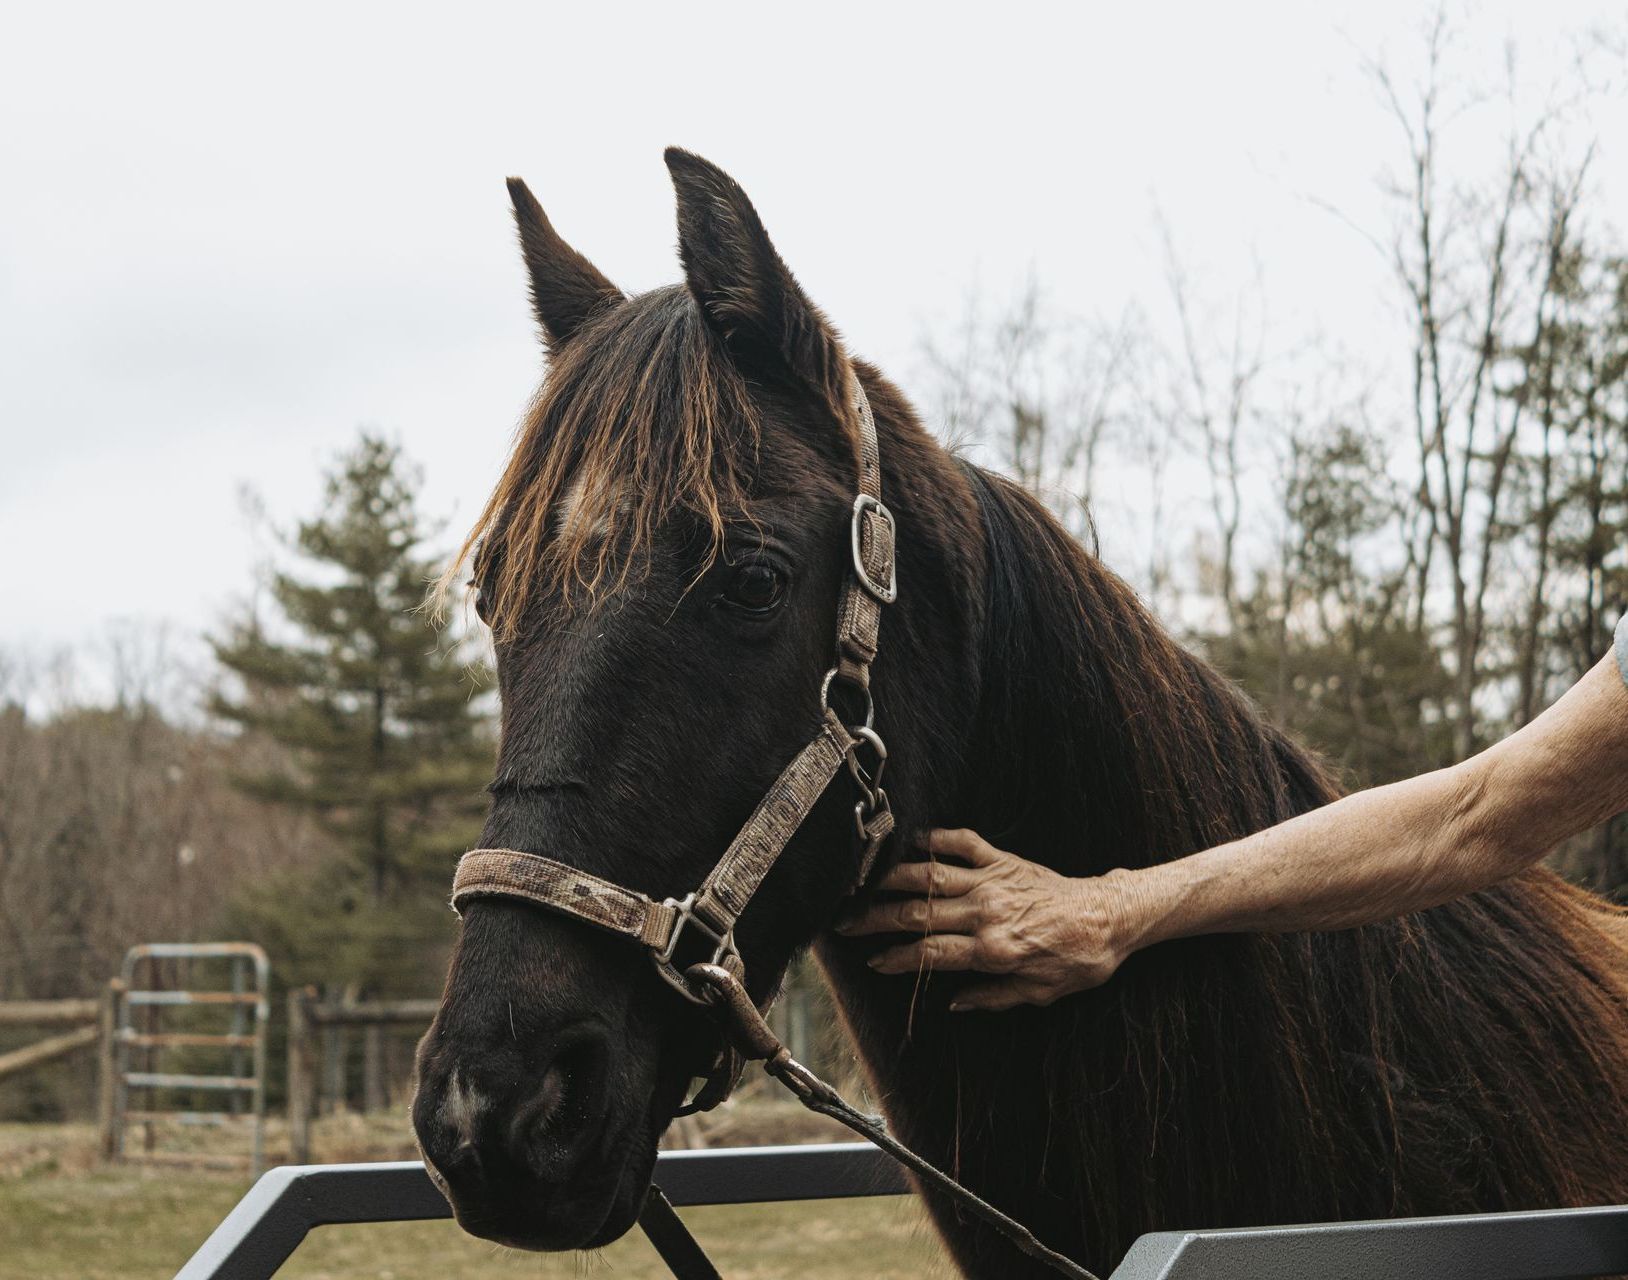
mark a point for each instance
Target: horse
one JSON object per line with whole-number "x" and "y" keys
{"x": 660, "y": 565}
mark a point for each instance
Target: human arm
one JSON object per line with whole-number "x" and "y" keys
{"x": 1369, "y": 856}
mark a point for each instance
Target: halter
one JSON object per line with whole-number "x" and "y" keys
{"x": 712, "y": 910}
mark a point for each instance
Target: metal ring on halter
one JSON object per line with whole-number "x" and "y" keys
{"x": 834, "y": 675}
{"x": 723, "y": 946}
{"x": 868, "y": 783}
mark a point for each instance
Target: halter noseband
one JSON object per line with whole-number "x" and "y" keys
{"x": 713, "y": 909}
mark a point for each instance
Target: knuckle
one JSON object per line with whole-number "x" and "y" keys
{"x": 998, "y": 952}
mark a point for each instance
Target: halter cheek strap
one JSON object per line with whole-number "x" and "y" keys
{"x": 713, "y": 909}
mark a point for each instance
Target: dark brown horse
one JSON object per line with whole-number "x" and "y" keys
{"x": 661, "y": 566}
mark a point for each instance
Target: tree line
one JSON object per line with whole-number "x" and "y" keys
{"x": 1400, "y": 572}
{"x": 1401, "y": 569}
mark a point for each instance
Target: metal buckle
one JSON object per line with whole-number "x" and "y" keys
{"x": 869, "y": 783}
{"x": 723, "y": 946}
{"x": 867, "y": 811}
{"x": 863, "y": 503}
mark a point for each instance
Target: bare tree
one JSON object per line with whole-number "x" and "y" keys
{"x": 1042, "y": 393}
{"x": 1477, "y": 265}
{"x": 1214, "y": 389}
{"x": 117, "y": 824}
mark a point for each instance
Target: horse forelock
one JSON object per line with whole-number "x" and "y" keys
{"x": 643, "y": 415}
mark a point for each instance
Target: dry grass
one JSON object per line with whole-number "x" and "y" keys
{"x": 64, "y": 1216}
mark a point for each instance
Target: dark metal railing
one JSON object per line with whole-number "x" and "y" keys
{"x": 269, "y": 1223}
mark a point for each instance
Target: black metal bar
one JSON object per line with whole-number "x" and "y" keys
{"x": 1564, "y": 1244}
{"x": 748, "y": 1175}
{"x": 672, "y": 1240}
{"x": 1555, "y": 1244}
{"x": 267, "y": 1225}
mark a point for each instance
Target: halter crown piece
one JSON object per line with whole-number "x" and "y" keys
{"x": 712, "y": 910}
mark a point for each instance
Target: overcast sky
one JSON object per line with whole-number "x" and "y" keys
{"x": 231, "y": 234}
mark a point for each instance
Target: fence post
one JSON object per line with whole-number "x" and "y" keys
{"x": 301, "y": 1075}
{"x": 373, "y": 1090}
{"x": 107, "y": 1066}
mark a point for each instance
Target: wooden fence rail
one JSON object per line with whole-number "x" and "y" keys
{"x": 47, "y": 1013}
{"x": 84, "y": 1016}
{"x": 47, "y": 1050}
{"x": 374, "y": 1013}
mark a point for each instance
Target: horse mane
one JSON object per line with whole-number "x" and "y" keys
{"x": 1071, "y": 632}
{"x": 643, "y": 415}
{"x": 1474, "y": 1056}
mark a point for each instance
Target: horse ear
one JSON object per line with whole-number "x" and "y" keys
{"x": 565, "y": 287}
{"x": 744, "y": 289}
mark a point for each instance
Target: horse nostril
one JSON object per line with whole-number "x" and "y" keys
{"x": 459, "y": 1163}
{"x": 547, "y": 1133}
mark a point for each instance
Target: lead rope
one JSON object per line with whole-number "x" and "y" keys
{"x": 755, "y": 1042}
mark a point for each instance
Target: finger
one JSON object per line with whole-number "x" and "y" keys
{"x": 940, "y": 879}
{"x": 969, "y": 846}
{"x": 942, "y": 951}
{"x": 993, "y": 997}
{"x": 915, "y": 915}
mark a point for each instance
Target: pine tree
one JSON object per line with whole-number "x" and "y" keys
{"x": 383, "y": 741}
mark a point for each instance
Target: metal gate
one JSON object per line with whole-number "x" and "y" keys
{"x": 140, "y": 1038}
{"x": 259, "y": 1235}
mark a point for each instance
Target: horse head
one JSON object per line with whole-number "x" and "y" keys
{"x": 661, "y": 566}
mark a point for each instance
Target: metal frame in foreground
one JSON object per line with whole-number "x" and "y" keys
{"x": 269, "y": 1223}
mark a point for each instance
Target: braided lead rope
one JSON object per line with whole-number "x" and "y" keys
{"x": 746, "y": 1028}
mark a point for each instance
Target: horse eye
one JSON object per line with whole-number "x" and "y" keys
{"x": 483, "y": 609}
{"x": 755, "y": 587}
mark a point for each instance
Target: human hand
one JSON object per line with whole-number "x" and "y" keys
{"x": 1044, "y": 934}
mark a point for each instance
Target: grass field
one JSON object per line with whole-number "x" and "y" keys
{"x": 63, "y": 1217}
